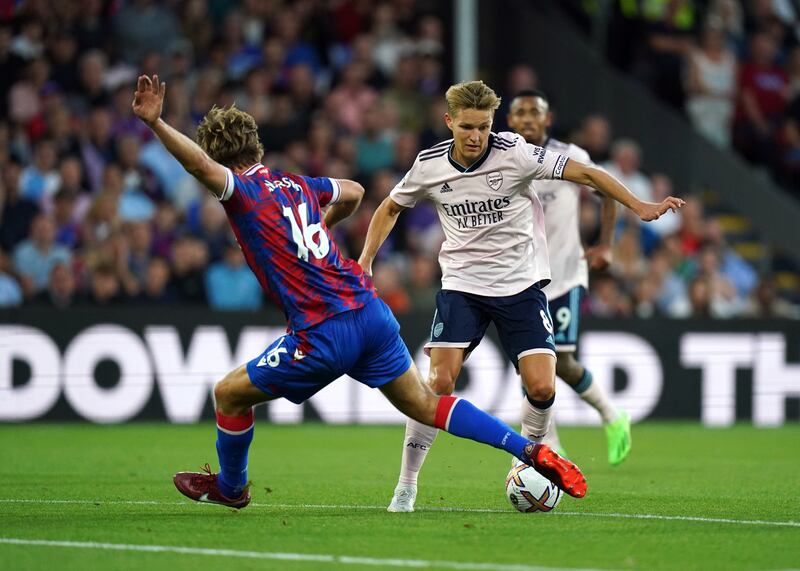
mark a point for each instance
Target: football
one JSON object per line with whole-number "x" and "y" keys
{"x": 529, "y": 491}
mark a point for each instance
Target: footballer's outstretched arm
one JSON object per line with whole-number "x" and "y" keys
{"x": 382, "y": 222}
{"x": 147, "y": 104}
{"x": 598, "y": 178}
{"x": 350, "y": 195}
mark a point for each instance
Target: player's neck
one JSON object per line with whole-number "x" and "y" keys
{"x": 463, "y": 161}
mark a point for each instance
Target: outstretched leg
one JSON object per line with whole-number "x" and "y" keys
{"x": 460, "y": 417}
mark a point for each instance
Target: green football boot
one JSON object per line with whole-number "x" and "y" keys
{"x": 618, "y": 434}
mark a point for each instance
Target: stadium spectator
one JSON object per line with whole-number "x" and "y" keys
{"x": 341, "y": 90}
{"x": 142, "y": 25}
{"x": 700, "y": 298}
{"x": 105, "y": 289}
{"x": 155, "y": 288}
{"x": 762, "y": 100}
{"x": 723, "y": 299}
{"x": 671, "y": 294}
{"x": 230, "y": 283}
{"x": 61, "y": 289}
{"x": 35, "y": 257}
{"x": 189, "y": 258}
{"x": 346, "y": 104}
{"x": 403, "y": 95}
{"x": 645, "y": 299}
{"x": 607, "y": 299}
{"x": 626, "y": 156}
{"x": 711, "y": 86}
{"x": 97, "y": 147}
{"x": 423, "y": 282}
{"x": 65, "y": 219}
{"x": 10, "y": 291}
{"x": 693, "y": 228}
{"x": 11, "y": 67}
{"x": 373, "y": 146}
{"x": 669, "y": 26}
{"x": 765, "y": 303}
{"x": 741, "y": 274}
{"x": 40, "y": 181}
{"x": 670, "y": 222}
{"x": 16, "y": 212}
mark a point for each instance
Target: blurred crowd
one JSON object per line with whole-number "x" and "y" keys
{"x": 732, "y": 66}
{"x": 94, "y": 212}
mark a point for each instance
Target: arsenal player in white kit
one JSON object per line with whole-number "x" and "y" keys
{"x": 494, "y": 260}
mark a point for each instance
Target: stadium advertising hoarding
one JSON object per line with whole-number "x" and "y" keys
{"x": 118, "y": 365}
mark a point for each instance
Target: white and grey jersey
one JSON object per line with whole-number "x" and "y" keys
{"x": 492, "y": 219}
{"x": 561, "y": 203}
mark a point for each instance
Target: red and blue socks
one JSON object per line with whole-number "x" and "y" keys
{"x": 234, "y": 435}
{"x": 461, "y": 418}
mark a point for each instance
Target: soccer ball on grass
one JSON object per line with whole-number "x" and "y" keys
{"x": 529, "y": 491}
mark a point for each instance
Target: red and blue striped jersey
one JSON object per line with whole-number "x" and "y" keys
{"x": 277, "y": 220}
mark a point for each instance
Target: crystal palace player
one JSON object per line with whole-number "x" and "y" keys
{"x": 494, "y": 259}
{"x": 529, "y": 115}
{"x": 337, "y": 325}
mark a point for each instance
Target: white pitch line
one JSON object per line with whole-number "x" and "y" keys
{"x": 299, "y": 557}
{"x": 657, "y": 517}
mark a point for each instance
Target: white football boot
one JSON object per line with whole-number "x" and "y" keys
{"x": 403, "y": 499}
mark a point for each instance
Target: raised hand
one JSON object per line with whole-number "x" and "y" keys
{"x": 649, "y": 211}
{"x": 599, "y": 257}
{"x": 149, "y": 99}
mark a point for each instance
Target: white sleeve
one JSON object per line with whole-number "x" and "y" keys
{"x": 411, "y": 189}
{"x": 337, "y": 191}
{"x": 539, "y": 163}
{"x": 228, "y": 190}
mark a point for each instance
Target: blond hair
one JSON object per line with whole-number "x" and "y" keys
{"x": 230, "y": 136}
{"x": 471, "y": 95}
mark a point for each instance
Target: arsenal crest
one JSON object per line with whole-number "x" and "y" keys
{"x": 494, "y": 180}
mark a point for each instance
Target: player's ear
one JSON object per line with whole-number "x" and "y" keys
{"x": 448, "y": 121}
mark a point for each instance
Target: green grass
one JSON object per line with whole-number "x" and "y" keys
{"x": 674, "y": 470}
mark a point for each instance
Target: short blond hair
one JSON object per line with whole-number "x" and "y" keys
{"x": 230, "y": 136}
{"x": 471, "y": 95}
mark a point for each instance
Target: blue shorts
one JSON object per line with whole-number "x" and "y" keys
{"x": 522, "y": 320}
{"x": 567, "y": 313}
{"x": 364, "y": 343}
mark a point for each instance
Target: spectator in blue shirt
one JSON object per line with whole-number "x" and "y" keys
{"x": 10, "y": 292}
{"x": 230, "y": 284}
{"x": 35, "y": 257}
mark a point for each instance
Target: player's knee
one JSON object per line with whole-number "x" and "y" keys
{"x": 540, "y": 385}
{"x": 222, "y": 394}
{"x": 540, "y": 391}
{"x": 226, "y": 397}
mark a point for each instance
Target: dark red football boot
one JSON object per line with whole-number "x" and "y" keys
{"x": 563, "y": 473}
{"x": 202, "y": 487}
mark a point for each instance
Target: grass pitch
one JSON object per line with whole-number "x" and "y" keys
{"x": 96, "y": 497}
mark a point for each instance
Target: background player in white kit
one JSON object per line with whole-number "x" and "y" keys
{"x": 530, "y": 116}
{"x": 494, "y": 260}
